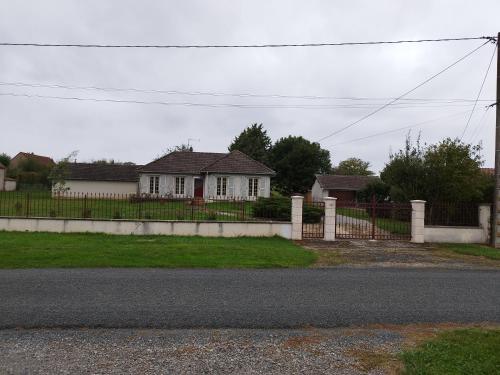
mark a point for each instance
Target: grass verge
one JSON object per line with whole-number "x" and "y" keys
{"x": 473, "y": 249}
{"x": 53, "y": 250}
{"x": 465, "y": 351}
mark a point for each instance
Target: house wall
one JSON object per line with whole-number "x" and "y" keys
{"x": 342, "y": 195}
{"x": 317, "y": 192}
{"x": 102, "y": 187}
{"x": 180, "y": 228}
{"x": 10, "y": 185}
{"x": 2, "y": 179}
{"x": 237, "y": 185}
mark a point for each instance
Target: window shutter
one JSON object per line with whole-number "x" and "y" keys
{"x": 262, "y": 186}
{"x": 230, "y": 187}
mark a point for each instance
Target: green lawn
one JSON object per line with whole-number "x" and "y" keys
{"x": 51, "y": 250}
{"x": 467, "y": 352}
{"x": 42, "y": 204}
{"x": 473, "y": 249}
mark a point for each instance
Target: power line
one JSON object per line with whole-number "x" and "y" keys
{"x": 404, "y": 94}
{"x": 479, "y": 93}
{"x": 181, "y": 46}
{"x": 225, "y": 105}
{"x": 402, "y": 128}
{"x": 221, "y": 94}
{"x": 480, "y": 124}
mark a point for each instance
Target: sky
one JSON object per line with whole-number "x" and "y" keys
{"x": 310, "y": 92}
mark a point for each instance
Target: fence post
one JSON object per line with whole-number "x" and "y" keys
{"x": 330, "y": 212}
{"x": 485, "y": 220}
{"x": 297, "y": 202}
{"x": 417, "y": 221}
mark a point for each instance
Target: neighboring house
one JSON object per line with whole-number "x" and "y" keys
{"x": 89, "y": 178}
{"x": 23, "y": 156}
{"x": 206, "y": 175}
{"x": 6, "y": 183}
{"x": 344, "y": 188}
{"x": 488, "y": 171}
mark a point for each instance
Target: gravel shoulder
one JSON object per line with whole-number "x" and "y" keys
{"x": 392, "y": 254}
{"x": 368, "y": 350}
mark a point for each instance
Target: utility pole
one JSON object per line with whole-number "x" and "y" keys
{"x": 495, "y": 233}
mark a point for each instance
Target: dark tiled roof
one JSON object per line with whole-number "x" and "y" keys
{"x": 44, "y": 160}
{"x": 488, "y": 171}
{"x": 340, "y": 182}
{"x": 102, "y": 172}
{"x": 201, "y": 162}
{"x": 238, "y": 162}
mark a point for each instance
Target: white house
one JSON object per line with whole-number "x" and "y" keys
{"x": 205, "y": 174}
{"x": 90, "y": 178}
{"x": 177, "y": 175}
{"x": 6, "y": 183}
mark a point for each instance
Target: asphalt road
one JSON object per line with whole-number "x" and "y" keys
{"x": 244, "y": 298}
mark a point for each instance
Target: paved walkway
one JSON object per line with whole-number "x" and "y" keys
{"x": 245, "y": 298}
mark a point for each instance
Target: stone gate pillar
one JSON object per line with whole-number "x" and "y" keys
{"x": 330, "y": 212}
{"x": 417, "y": 221}
{"x": 297, "y": 203}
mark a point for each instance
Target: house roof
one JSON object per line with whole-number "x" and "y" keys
{"x": 102, "y": 172}
{"x": 235, "y": 162}
{"x": 488, "y": 171}
{"x": 44, "y": 160}
{"x": 340, "y": 182}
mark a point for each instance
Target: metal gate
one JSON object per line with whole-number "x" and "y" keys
{"x": 374, "y": 220}
{"x": 313, "y": 220}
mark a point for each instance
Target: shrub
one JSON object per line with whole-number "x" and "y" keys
{"x": 311, "y": 214}
{"x": 277, "y": 208}
{"x": 148, "y": 216}
{"x": 211, "y": 215}
{"x": 117, "y": 215}
{"x": 52, "y": 213}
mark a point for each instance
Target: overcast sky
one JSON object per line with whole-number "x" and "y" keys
{"x": 139, "y": 132}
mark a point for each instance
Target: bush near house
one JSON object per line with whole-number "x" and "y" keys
{"x": 280, "y": 208}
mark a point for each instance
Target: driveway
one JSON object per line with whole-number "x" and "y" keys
{"x": 163, "y": 298}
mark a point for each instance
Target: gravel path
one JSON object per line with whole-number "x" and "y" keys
{"x": 152, "y": 351}
{"x": 393, "y": 254}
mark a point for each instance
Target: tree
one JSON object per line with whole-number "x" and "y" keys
{"x": 254, "y": 142}
{"x": 5, "y": 159}
{"x": 296, "y": 162}
{"x": 405, "y": 172}
{"x": 179, "y": 148}
{"x": 447, "y": 171}
{"x": 453, "y": 172}
{"x": 60, "y": 173}
{"x": 353, "y": 167}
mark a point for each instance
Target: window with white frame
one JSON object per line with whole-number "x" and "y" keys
{"x": 221, "y": 186}
{"x": 253, "y": 187}
{"x": 179, "y": 185}
{"x": 154, "y": 184}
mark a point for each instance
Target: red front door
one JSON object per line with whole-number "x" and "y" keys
{"x": 198, "y": 187}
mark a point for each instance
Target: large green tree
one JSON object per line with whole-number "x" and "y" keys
{"x": 353, "y": 167}
{"x": 4, "y": 159}
{"x": 447, "y": 171}
{"x": 296, "y": 162}
{"x": 254, "y": 142}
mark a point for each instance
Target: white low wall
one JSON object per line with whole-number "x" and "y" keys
{"x": 178, "y": 228}
{"x": 439, "y": 234}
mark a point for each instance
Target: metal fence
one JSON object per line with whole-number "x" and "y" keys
{"x": 375, "y": 220}
{"x": 452, "y": 214}
{"x": 126, "y": 206}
